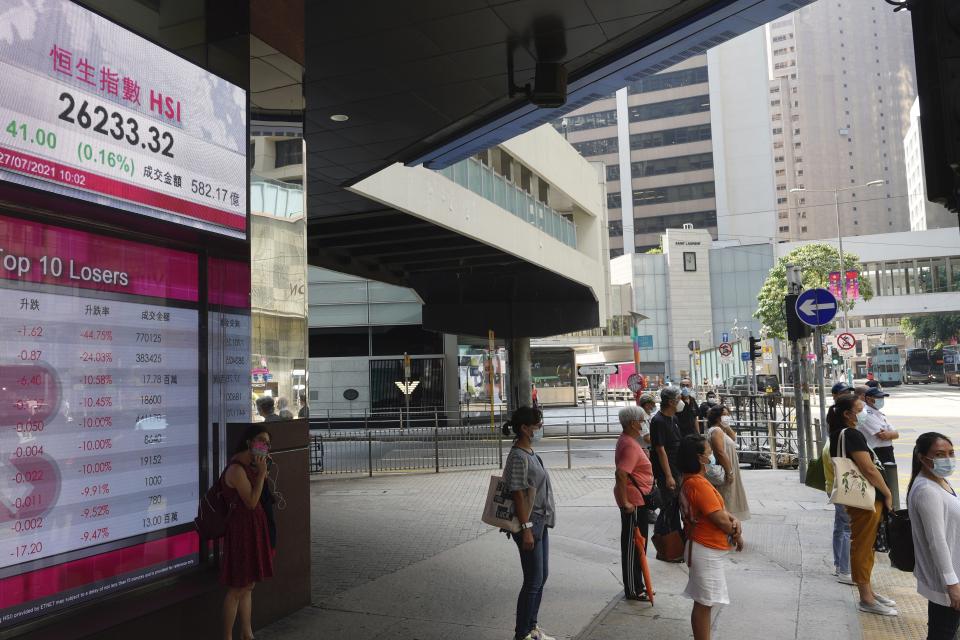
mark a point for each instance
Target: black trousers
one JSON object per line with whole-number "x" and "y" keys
{"x": 942, "y": 622}
{"x": 629, "y": 556}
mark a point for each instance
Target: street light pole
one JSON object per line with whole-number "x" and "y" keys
{"x": 843, "y": 272}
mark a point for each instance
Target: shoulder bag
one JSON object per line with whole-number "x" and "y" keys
{"x": 498, "y": 509}
{"x": 850, "y": 487}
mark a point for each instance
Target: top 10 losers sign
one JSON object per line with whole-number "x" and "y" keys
{"x": 92, "y": 111}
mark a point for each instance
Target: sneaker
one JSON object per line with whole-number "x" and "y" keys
{"x": 877, "y": 608}
{"x": 884, "y": 600}
{"x": 836, "y": 572}
{"x": 538, "y": 634}
{"x": 845, "y": 578}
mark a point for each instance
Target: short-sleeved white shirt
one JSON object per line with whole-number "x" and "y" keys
{"x": 874, "y": 424}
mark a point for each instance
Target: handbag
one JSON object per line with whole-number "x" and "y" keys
{"x": 651, "y": 501}
{"x": 667, "y": 535}
{"x": 882, "y": 544}
{"x": 498, "y": 509}
{"x": 900, "y": 540}
{"x": 850, "y": 487}
{"x": 815, "y": 478}
{"x": 715, "y": 473}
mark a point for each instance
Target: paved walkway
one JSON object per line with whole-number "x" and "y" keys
{"x": 406, "y": 557}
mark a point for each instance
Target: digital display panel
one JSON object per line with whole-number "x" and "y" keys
{"x": 99, "y": 415}
{"x": 92, "y": 111}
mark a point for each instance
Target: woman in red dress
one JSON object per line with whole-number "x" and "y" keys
{"x": 247, "y": 556}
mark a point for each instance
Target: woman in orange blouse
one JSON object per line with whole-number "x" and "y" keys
{"x": 711, "y": 532}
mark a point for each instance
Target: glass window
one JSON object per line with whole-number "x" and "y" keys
{"x": 909, "y": 277}
{"x": 938, "y": 271}
{"x": 675, "y": 193}
{"x": 288, "y": 152}
{"x": 669, "y": 137}
{"x": 667, "y": 80}
{"x": 676, "y": 164}
{"x": 924, "y": 277}
{"x": 668, "y": 108}
{"x": 596, "y": 147}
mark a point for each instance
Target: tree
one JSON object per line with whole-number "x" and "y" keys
{"x": 654, "y": 250}
{"x": 816, "y": 261}
{"x": 934, "y": 328}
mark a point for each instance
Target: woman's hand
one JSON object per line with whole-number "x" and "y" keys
{"x": 629, "y": 508}
{"x": 888, "y": 500}
{"x": 527, "y": 540}
{"x": 953, "y": 591}
{"x": 738, "y": 541}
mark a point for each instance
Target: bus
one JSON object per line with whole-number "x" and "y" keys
{"x": 916, "y": 367}
{"x": 884, "y": 364}
{"x": 936, "y": 365}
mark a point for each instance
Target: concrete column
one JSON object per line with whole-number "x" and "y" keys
{"x": 519, "y": 362}
{"x": 451, "y": 375}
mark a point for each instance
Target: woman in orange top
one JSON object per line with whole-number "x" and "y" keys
{"x": 711, "y": 531}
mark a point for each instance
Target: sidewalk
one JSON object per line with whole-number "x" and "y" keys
{"x": 406, "y": 557}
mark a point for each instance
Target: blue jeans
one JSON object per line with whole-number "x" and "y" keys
{"x": 841, "y": 539}
{"x": 534, "y": 565}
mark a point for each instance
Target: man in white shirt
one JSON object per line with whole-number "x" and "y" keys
{"x": 878, "y": 432}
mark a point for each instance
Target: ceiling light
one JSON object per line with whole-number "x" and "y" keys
{"x": 339, "y": 117}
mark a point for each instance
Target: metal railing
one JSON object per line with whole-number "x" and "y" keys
{"x": 412, "y": 449}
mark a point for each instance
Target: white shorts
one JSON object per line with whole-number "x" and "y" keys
{"x": 707, "y": 583}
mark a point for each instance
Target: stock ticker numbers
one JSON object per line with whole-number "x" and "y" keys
{"x": 98, "y": 421}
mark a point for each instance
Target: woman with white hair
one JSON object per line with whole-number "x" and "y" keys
{"x": 634, "y": 481}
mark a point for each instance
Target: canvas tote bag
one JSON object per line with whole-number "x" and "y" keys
{"x": 498, "y": 509}
{"x": 850, "y": 487}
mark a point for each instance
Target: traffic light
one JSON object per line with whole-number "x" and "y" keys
{"x": 756, "y": 349}
{"x": 796, "y": 329}
{"x": 835, "y": 357}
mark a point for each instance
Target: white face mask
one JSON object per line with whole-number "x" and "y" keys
{"x": 681, "y": 405}
{"x": 878, "y": 404}
{"x": 725, "y": 421}
{"x": 862, "y": 416}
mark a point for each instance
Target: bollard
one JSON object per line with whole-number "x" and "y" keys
{"x": 436, "y": 448}
{"x": 569, "y": 464}
{"x": 772, "y": 442}
{"x": 893, "y": 482}
{"x": 369, "y": 454}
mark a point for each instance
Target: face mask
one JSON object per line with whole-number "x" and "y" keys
{"x": 725, "y": 421}
{"x": 879, "y": 403}
{"x": 681, "y": 405}
{"x": 943, "y": 467}
{"x": 861, "y": 417}
{"x": 537, "y": 434}
{"x": 684, "y": 391}
{"x": 711, "y": 399}
{"x": 713, "y": 459}
{"x": 259, "y": 449}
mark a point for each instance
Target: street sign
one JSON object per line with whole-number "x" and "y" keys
{"x": 598, "y": 369}
{"x": 645, "y": 342}
{"x": 725, "y": 337}
{"x": 693, "y": 345}
{"x": 846, "y": 341}
{"x": 768, "y": 353}
{"x": 725, "y": 349}
{"x": 811, "y": 356}
{"x": 745, "y": 356}
{"x": 634, "y": 383}
{"x": 816, "y": 307}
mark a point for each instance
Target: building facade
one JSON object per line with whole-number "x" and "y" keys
{"x": 841, "y": 83}
{"x": 653, "y": 137}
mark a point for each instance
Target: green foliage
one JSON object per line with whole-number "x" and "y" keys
{"x": 816, "y": 261}
{"x": 655, "y": 250}
{"x": 935, "y": 328}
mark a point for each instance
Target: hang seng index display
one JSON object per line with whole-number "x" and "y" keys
{"x": 98, "y": 392}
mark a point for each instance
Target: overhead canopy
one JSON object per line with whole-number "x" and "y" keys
{"x": 427, "y": 82}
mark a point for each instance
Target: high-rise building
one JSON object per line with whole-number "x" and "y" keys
{"x": 842, "y": 80}
{"x": 923, "y": 213}
{"x": 656, "y": 132}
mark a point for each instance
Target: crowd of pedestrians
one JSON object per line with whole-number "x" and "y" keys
{"x": 663, "y": 463}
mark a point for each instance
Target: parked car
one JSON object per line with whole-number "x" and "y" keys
{"x": 739, "y": 384}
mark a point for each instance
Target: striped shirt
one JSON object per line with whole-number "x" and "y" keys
{"x": 524, "y": 470}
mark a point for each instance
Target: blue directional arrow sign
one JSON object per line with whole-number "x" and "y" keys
{"x": 816, "y": 307}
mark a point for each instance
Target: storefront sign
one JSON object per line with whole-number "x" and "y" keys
{"x": 92, "y": 111}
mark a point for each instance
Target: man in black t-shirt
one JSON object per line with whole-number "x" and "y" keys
{"x": 665, "y": 443}
{"x": 687, "y": 414}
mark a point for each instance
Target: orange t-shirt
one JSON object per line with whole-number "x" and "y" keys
{"x": 698, "y": 500}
